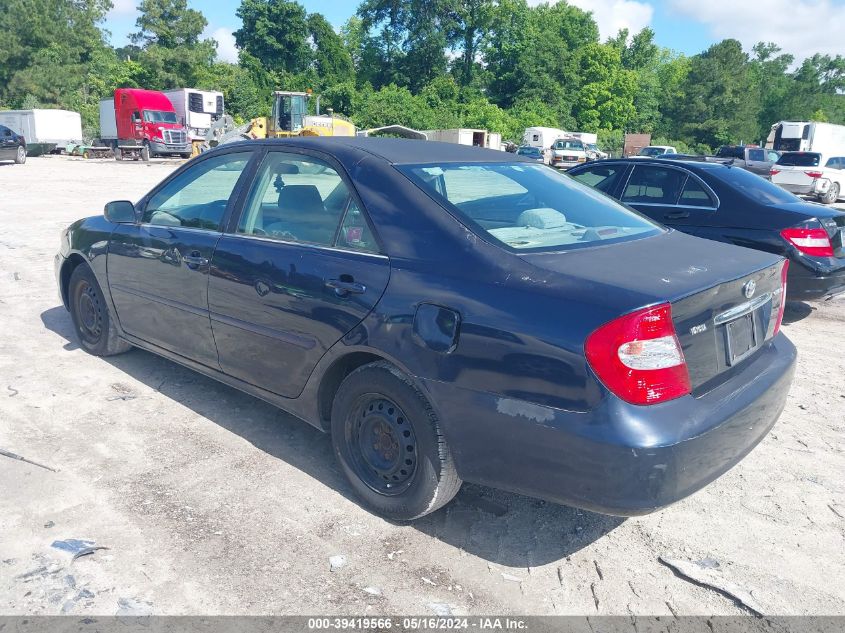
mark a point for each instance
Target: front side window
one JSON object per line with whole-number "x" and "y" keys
{"x": 654, "y": 185}
{"x": 528, "y": 207}
{"x": 197, "y": 198}
{"x": 299, "y": 198}
{"x": 159, "y": 116}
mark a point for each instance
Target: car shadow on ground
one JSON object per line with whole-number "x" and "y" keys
{"x": 500, "y": 527}
{"x": 796, "y": 311}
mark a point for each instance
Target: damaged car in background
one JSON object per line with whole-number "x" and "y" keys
{"x": 448, "y": 314}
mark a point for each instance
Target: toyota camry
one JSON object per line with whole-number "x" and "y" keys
{"x": 448, "y": 314}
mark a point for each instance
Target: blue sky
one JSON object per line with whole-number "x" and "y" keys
{"x": 687, "y": 26}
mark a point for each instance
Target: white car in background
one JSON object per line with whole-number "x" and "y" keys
{"x": 811, "y": 174}
{"x": 653, "y": 151}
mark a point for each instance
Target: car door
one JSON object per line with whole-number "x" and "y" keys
{"x": 8, "y": 143}
{"x": 158, "y": 268}
{"x": 756, "y": 160}
{"x": 670, "y": 195}
{"x": 299, "y": 269}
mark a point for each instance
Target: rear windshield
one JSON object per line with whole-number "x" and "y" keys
{"x": 800, "y": 159}
{"x": 759, "y": 189}
{"x": 529, "y": 207}
{"x": 159, "y": 116}
{"x": 576, "y": 145}
{"x": 652, "y": 151}
{"x": 528, "y": 151}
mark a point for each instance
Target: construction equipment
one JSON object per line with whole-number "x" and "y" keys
{"x": 289, "y": 117}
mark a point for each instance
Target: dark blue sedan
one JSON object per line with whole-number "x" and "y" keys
{"x": 729, "y": 204}
{"x": 449, "y": 314}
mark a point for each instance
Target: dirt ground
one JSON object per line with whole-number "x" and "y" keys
{"x": 212, "y": 502}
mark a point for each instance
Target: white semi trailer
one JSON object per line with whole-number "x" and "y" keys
{"x": 197, "y": 110}
{"x": 44, "y": 129}
{"x": 807, "y": 136}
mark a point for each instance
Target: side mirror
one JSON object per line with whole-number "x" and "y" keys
{"x": 120, "y": 212}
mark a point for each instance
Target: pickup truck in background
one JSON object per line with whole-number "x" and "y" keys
{"x": 758, "y": 160}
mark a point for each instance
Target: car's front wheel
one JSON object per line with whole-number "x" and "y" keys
{"x": 94, "y": 327}
{"x": 389, "y": 444}
{"x": 832, "y": 194}
{"x": 20, "y": 155}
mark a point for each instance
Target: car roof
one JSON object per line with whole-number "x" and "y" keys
{"x": 397, "y": 151}
{"x": 661, "y": 162}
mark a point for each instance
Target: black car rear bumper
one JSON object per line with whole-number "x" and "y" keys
{"x": 805, "y": 284}
{"x": 618, "y": 459}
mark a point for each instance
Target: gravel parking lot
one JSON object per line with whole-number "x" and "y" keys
{"x": 212, "y": 502}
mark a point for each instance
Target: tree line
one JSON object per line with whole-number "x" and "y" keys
{"x": 500, "y": 65}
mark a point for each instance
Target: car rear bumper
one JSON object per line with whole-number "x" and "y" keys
{"x": 618, "y": 459}
{"x": 817, "y": 187}
{"x": 805, "y": 284}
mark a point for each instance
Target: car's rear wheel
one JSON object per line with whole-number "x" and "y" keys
{"x": 95, "y": 329}
{"x": 20, "y": 155}
{"x": 389, "y": 444}
{"x": 832, "y": 194}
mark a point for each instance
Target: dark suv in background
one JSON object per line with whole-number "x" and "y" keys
{"x": 12, "y": 146}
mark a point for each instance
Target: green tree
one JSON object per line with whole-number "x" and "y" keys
{"x": 606, "y": 98}
{"x": 275, "y": 32}
{"x": 466, "y": 23}
{"x": 168, "y": 23}
{"x": 721, "y": 97}
{"x": 331, "y": 59}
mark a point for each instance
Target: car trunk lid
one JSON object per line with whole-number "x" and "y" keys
{"x": 705, "y": 282}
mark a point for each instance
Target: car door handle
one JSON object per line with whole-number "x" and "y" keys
{"x": 195, "y": 260}
{"x": 343, "y": 287}
{"x": 677, "y": 215}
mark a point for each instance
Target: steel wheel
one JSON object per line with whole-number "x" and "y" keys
{"x": 382, "y": 444}
{"x": 89, "y": 309}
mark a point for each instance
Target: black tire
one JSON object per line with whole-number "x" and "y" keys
{"x": 145, "y": 153}
{"x": 388, "y": 442}
{"x": 118, "y": 153}
{"x": 186, "y": 156}
{"x": 20, "y": 155}
{"x": 94, "y": 327}
{"x": 832, "y": 194}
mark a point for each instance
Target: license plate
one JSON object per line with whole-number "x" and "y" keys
{"x": 741, "y": 337}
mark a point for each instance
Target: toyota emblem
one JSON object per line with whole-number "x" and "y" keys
{"x": 749, "y": 289}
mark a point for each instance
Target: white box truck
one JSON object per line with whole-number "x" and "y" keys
{"x": 196, "y": 109}
{"x": 44, "y": 130}
{"x": 826, "y": 139}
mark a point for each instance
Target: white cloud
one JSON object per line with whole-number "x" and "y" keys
{"x": 799, "y": 27}
{"x": 617, "y": 14}
{"x": 121, "y": 8}
{"x": 226, "y": 49}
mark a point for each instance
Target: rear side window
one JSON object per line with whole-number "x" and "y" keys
{"x": 653, "y": 185}
{"x": 834, "y": 163}
{"x": 756, "y": 154}
{"x": 528, "y": 207}
{"x": 601, "y": 177}
{"x": 695, "y": 195}
{"x": 800, "y": 159}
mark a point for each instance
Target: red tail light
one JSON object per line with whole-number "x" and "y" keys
{"x": 639, "y": 358}
{"x": 774, "y": 172}
{"x": 815, "y": 242}
{"x": 782, "y": 307}
{"x": 814, "y": 174}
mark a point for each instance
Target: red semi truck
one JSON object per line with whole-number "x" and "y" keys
{"x": 141, "y": 124}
